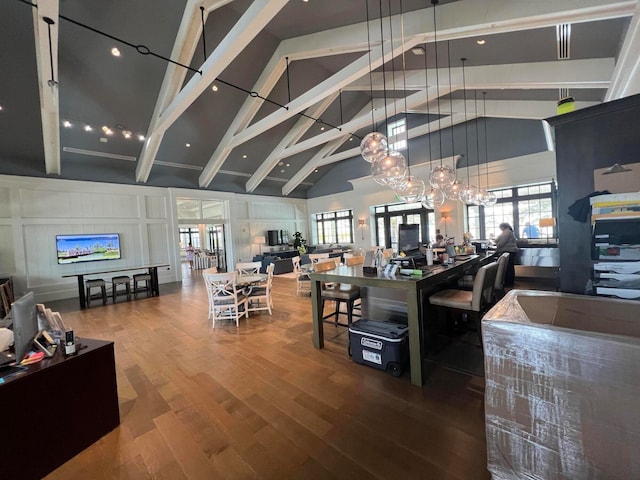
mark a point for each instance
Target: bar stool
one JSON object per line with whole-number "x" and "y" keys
{"x": 139, "y": 278}
{"x": 338, "y": 293}
{"x": 96, "y": 283}
{"x": 121, "y": 280}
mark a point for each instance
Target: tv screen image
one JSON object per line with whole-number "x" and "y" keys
{"x": 88, "y": 247}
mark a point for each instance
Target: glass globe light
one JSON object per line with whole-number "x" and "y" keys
{"x": 389, "y": 169}
{"x": 452, "y": 192}
{"x": 442, "y": 177}
{"x": 373, "y": 146}
{"x": 469, "y": 195}
{"x": 490, "y": 199}
{"x": 433, "y": 199}
{"x": 410, "y": 190}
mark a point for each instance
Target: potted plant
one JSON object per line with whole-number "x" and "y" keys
{"x": 299, "y": 243}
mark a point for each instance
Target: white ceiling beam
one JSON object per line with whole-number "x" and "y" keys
{"x": 255, "y": 18}
{"x": 184, "y": 46}
{"x": 301, "y": 127}
{"x": 626, "y": 76}
{"x": 312, "y": 164}
{"x": 457, "y": 20}
{"x": 49, "y": 105}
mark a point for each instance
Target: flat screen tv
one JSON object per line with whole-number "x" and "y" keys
{"x": 88, "y": 247}
{"x": 408, "y": 237}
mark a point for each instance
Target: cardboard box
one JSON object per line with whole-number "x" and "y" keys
{"x": 562, "y": 387}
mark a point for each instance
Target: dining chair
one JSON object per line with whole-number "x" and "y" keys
{"x": 316, "y": 257}
{"x": 466, "y": 281}
{"x": 353, "y": 261}
{"x": 248, "y": 268}
{"x": 473, "y": 303}
{"x": 338, "y": 293}
{"x": 303, "y": 281}
{"x": 225, "y": 299}
{"x": 260, "y": 297}
{"x": 7, "y": 296}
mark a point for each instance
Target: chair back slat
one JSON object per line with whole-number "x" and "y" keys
{"x": 355, "y": 261}
{"x": 248, "y": 268}
{"x": 483, "y": 286}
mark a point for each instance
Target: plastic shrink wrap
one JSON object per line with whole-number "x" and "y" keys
{"x": 562, "y": 387}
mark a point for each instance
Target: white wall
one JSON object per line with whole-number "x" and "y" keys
{"x": 34, "y": 210}
{"x": 535, "y": 168}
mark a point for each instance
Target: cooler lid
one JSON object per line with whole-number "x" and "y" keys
{"x": 388, "y": 330}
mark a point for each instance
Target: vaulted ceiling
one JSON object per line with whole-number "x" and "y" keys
{"x": 194, "y": 122}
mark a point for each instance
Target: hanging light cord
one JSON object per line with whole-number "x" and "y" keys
{"x": 204, "y": 38}
{"x": 144, "y": 50}
{"x": 453, "y": 149}
{"x": 373, "y": 120}
{"x": 475, "y": 95}
{"x": 384, "y": 73}
{"x": 435, "y": 43}
{"x": 486, "y": 143}
{"x": 466, "y": 124}
{"x": 426, "y": 82}
{"x": 49, "y": 22}
{"x": 404, "y": 86}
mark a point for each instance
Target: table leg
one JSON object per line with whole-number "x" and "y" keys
{"x": 81, "y": 297}
{"x": 155, "y": 288}
{"x": 414, "y": 309}
{"x": 316, "y": 306}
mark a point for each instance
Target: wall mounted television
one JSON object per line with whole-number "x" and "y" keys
{"x": 88, "y": 247}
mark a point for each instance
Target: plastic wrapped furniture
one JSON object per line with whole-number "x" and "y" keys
{"x": 562, "y": 394}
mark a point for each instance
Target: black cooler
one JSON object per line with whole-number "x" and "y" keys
{"x": 381, "y": 345}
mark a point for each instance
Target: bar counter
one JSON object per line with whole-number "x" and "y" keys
{"x": 417, "y": 289}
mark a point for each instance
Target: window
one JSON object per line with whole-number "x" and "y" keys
{"x": 335, "y": 227}
{"x": 389, "y": 218}
{"x": 398, "y": 130}
{"x": 188, "y": 236}
{"x": 522, "y": 207}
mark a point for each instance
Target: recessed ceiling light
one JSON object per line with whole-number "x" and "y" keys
{"x": 417, "y": 51}
{"x": 244, "y": 156}
{"x": 288, "y": 164}
{"x": 0, "y": 107}
{"x": 316, "y": 170}
{"x": 115, "y": 52}
{"x": 87, "y": 128}
{"x": 280, "y": 164}
{"x": 214, "y": 88}
{"x": 141, "y": 138}
{"x": 282, "y": 171}
{"x": 322, "y": 128}
{"x": 104, "y": 139}
{"x": 481, "y": 42}
{"x": 67, "y": 124}
{"x": 107, "y": 130}
{"x": 351, "y": 139}
{"x": 187, "y": 145}
{"x": 126, "y": 133}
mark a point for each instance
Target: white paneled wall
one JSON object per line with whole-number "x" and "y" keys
{"x": 33, "y": 211}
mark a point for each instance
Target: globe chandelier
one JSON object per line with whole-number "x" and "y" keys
{"x": 468, "y": 194}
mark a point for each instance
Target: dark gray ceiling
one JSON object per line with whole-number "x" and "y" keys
{"x": 98, "y": 89}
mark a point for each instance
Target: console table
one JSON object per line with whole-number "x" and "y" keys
{"x": 417, "y": 288}
{"x": 56, "y": 409}
{"x": 152, "y": 269}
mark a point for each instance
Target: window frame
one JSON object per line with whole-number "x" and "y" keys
{"x": 333, "y": 217}
{"x": 383, "y": 212}
{"x": 514, "y": 199}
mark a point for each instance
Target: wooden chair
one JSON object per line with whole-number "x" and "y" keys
{"x": 473, "y": 303}
{"x": 7, "y": 297}
{"x": 225, "y": 299}
{"x": 353, "y": 261}
{"x": 317, "y": 257}
{"x": 303, "y": 281}
{"x": 248, "y": 268}
{"x": 259, "y": 297}
{"x": 338, "y": 293}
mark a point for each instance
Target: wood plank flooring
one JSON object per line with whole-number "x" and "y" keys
{"x": 259, "y": 401}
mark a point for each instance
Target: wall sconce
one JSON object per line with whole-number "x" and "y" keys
{"x": 362, "y": 223}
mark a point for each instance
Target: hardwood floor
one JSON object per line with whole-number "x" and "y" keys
{"x": 259, "y": 401}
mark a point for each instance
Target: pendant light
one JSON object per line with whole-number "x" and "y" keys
{"x": 468, "y": 194}
{"x": 453, "y": 191}
{"x": 411, "y": 189}
{"x": 443, "y": 176}
{"x": 374, "y": 145}
{"x": 389, "y": 168}
{"x": 490, "y": 198}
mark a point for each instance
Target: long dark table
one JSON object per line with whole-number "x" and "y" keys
{"x": 416, "y": 287}
{"x": 56, "y": 409}
{"x": 152, "y": 269}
